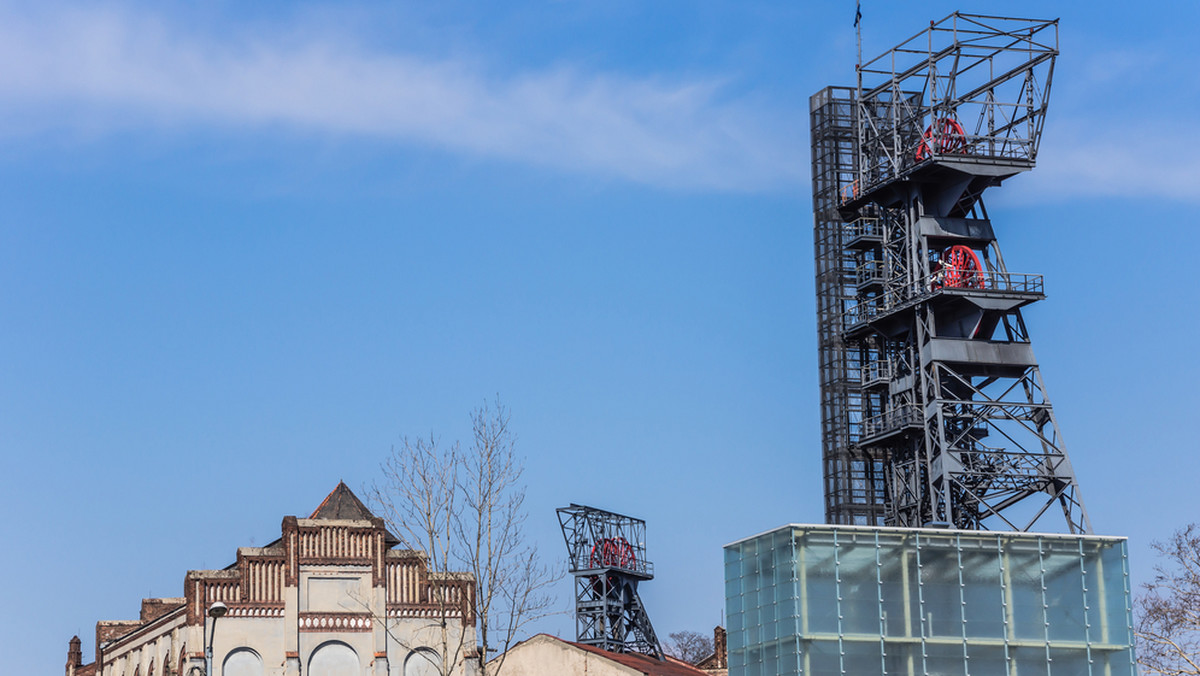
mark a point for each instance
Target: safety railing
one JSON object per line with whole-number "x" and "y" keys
{"x": 612, "y": 552}
{"x": 863, "y": 229}
{"x": 849, "y": 192}
{"x": 974, "y": 282}
{"x": 869, "y": 273}
{"x": 900, "y": 417}
{"x": 876, "y": 371}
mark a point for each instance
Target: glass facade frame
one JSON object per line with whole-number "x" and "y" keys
{"x": 832, "y": 600}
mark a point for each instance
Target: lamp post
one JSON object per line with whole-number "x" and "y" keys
{"x": 215, "y": 611}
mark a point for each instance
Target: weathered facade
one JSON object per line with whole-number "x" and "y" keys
{"x": 716, "y": 664}
{"x": 330, "y": 596}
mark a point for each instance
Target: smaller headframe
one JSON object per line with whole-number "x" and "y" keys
{"x": 597, "y": 539}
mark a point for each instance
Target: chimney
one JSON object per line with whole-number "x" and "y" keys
{"x": 719, "y": 648}
{"x": 74, "y": 655}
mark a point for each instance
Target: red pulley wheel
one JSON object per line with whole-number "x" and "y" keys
{"x": 945, "y": 135}
{"x": 611, "y": 553}
{"x": 961, "y": 268}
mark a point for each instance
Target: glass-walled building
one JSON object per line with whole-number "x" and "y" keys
{"x": 826, "y": 600}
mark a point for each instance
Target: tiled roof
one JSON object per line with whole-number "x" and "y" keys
{"x": 643, "y": 663}
{"x": 341, "y": 504}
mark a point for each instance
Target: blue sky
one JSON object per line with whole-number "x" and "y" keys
{"x": 244, "y": 250}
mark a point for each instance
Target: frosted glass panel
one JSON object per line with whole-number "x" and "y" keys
{"x": 900, "y": 610}
{"x": 859, "y": 589}
{"x": 823, "y": 659}
{"x": 983, "y": 591}
{"x": 820, "y": 589}
{"x": 1115, "y": 594}
{"x": 813, "y": 600}
{"x": 862, "y": 657}
{"x": 987, "y": 660}
{"x": 941, "y": 603}
{"x": 1064, "y": 591}
{"x": 1025, "y": 576}
{"x": 1031, "y": 661}
{"x": 945, "y": 659}
{"x": 1068, "y": 662}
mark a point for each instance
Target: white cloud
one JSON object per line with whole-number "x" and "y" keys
{"x": 1141, "y": 158}
{"x": 1119, "y": 127}
{"x": 106, "y": 70}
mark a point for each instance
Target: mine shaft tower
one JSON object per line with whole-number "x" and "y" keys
{"x": 933, "y": 410}
{"x": 606, "y": 553}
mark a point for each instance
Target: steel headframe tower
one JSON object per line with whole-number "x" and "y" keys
{"x": 607, "y": 555}
{"x": 933, "y": 409}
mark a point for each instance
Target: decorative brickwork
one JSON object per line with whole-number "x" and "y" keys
{"x": 333, "y": 573}
{"x": 336, "y": 622}
{"x": 152, "y": 609}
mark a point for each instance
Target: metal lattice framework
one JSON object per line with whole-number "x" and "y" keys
{"x": 970, "y": 90}
{"x": 933, "y": 407}
{"x": 606, "y": 552}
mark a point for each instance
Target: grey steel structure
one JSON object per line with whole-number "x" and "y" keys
{"x": 933, "y": 409}
{"x": 607, "y": 555}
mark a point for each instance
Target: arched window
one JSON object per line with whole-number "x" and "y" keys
{"x": 334, "y": 659}
{"x": 422, "y": 662}
{"x": 242, "y": 662}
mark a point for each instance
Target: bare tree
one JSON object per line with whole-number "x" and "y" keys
{"x": 417, "y": 498}
{"x": 465, "y": 509}
{"x": 511, "y": 581}
{"x": 689, "y": 646}
{"x": 1168, "y": 613}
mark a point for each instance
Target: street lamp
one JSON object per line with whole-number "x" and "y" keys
{"x": 216, "y": 610}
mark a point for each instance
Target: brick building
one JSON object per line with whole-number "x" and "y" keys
{"x": 716, "y": 664}
{"x": 331, "y": 596}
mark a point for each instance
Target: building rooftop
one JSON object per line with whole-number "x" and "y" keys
{"x": 342, "y": 504}
{"x": 643, "y": 664}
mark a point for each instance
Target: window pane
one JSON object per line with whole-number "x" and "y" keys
{"x": 941, "y": 604}
{"x": 862, "y": 657}
{"x": 945, "y": 659}
{"x": 823, "y": 658}
{"x": 987, "y": 660}
{"x": 901, "y": 613}
{"x": 983, "y": 591}
{"x": 859, "y": 591}
{"x": 1069, "y": 662}
{"x": 1030, "y": 661}
{"x": 903, "y": 659}
{"x": 1025, "y": 576}
{"x": 1117, "y": 662}
{"x": 1064, "y": 590}
{"x": 821, "y": 597}
{"x": 1117, "y": 615}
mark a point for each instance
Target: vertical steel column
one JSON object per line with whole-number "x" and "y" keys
{"x": 852, "y": 476}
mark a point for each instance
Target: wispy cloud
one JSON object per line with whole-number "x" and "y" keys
{"x": 1120, "y": 127}
{"x": 105, "y": 70}
{"x": 1139, "y": 158}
